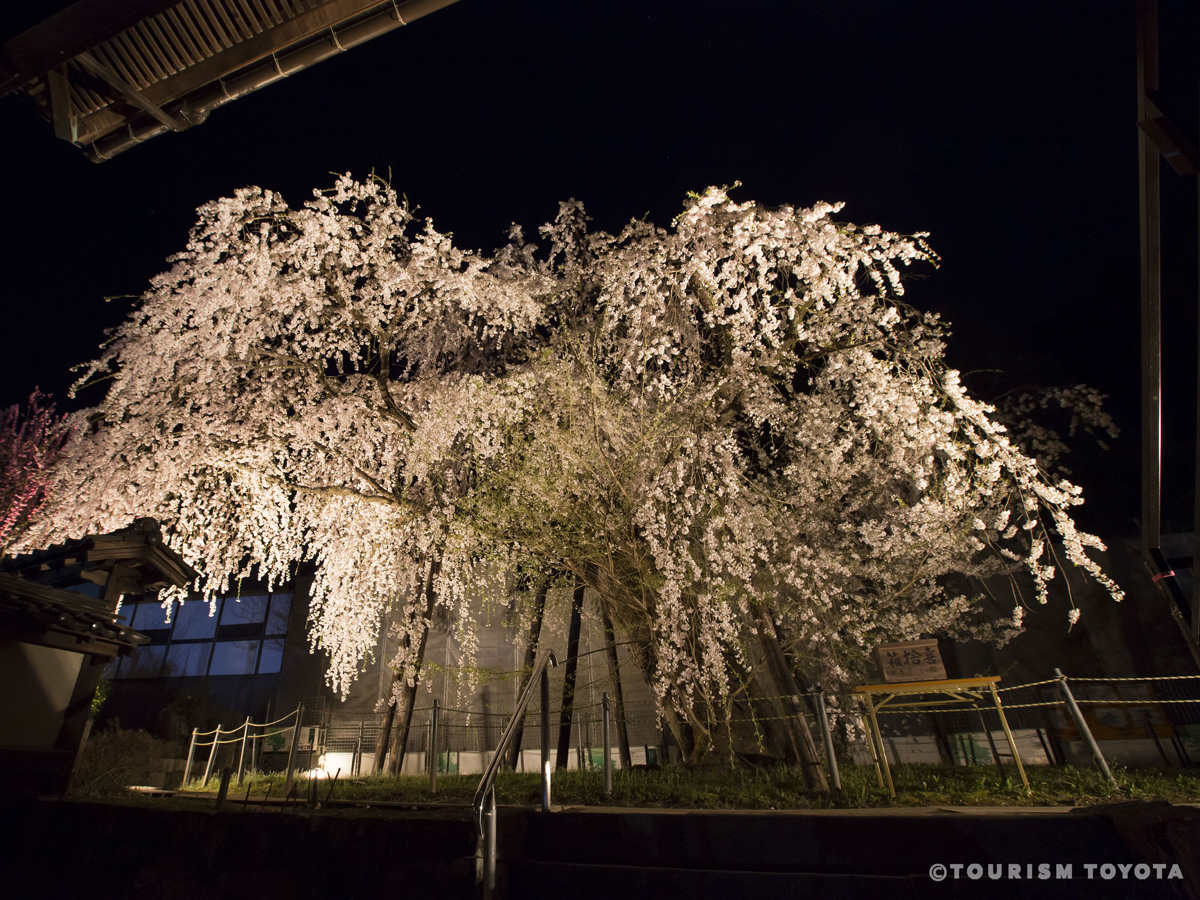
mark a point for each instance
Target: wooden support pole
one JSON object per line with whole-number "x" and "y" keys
{"x": 291, "y": 766}
{"x": 1012, "y": 743}
{"x": 187, "y": 766}
{"x": 568, "y": 702}
{"x": 212, "y": 754}
{"x": 877, "y": 739}
{"x": 614, "y": 674}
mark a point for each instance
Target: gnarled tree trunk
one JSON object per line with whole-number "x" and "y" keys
{"x": 408, "y": 692}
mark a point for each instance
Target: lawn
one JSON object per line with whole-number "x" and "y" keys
{"x": 677, "y": 787}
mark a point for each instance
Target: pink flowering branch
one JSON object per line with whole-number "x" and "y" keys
{"x": 30, "y": 443}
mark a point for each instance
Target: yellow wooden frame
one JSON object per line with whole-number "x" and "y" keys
{"x": 953, "y": 690}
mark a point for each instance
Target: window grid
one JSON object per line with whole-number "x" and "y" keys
{"x": 244, "y": 625}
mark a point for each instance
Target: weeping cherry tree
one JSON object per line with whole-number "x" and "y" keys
{"x": 734, "y": 431}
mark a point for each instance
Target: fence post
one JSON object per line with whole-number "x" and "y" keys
{"x": 223, "y": 790}
{"x": 433, "y": 753}
{"x": 187, "y": 767}
{"x": 1084, "y": 731}
{"x": 823, "y": 720}
{"x": 256, "y": 748}
{"x": 291, "y": 769}
{"x": 356, "y": 766}
{"x": 545, "y": 727}
{"x": 604, "y": 742}
{"x": 212, "y": 754}
{"x": 242, "y": 752}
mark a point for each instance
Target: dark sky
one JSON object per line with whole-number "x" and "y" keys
{"x": 1007, "y": 130}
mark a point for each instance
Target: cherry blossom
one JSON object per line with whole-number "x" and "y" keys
{"x": 731, "y": 418}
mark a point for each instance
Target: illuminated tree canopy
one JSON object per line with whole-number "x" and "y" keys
{"x": 726, "y": 422}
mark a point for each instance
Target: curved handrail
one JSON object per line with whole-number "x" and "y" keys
{"x": 487, "y": 783}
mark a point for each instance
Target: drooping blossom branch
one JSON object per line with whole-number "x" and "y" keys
{"x": 31, "y": 441}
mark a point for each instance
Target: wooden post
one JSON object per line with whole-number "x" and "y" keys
{"x": 260, "y": 742}
{"x": 291, "y": 766}
{"x": 187, "y": 767}
{"x": 212, "y": 754}
{"x": 568, "y": 702}
{"x": 614, "y": 673}
{"x": 877, "y": 737}
{"x": 242, "y": 751}
{"x": 1012, "y": 743}
{"x": 223, "y": 790}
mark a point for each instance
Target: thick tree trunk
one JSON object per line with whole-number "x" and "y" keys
{"x": 409, "y": 692}
{"x": 568, "y": 702}
{"x": 683, "y": 733}
{"x": 798, "y": 732}
{"x": 531, "y": 647}
{"x": 614, "y": 671}
{"x": 385, "y": 731}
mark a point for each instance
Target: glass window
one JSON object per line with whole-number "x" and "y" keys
{"x": 281, "y": 605}
{"x": 234, "y": 658}
{"x": 247, "y": 611}
{"x": 187, "y": 659}
{"x": 146, "y": 662}
{"x": 272, "y": 656}
{"x": 149, "y": 616}
{"x": 192, "y": 621}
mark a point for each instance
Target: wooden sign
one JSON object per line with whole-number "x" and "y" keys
{"x": 910, "y": 661}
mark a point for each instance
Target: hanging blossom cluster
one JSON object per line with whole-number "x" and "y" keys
{"x": 731, "y": 418}
{"x": 30, "y": 444}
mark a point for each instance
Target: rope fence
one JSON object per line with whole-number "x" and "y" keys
{"x": 1044, "y": 713}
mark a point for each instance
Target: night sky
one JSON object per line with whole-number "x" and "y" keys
{"x": 1006, "y": 130}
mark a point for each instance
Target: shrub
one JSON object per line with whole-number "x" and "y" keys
{"x": 113, "y": 760}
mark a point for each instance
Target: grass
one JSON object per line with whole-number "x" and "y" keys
{"x": 676, "y": 787}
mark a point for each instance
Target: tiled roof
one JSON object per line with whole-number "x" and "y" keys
{"x": 147, "y": 562}
{"x": 45, "y": 615}
{"x": 109, "y": 74}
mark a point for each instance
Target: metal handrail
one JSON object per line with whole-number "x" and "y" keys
{"x": 484, "y": 804}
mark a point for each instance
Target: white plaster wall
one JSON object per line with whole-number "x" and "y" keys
{"x": 36, "y": 684}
